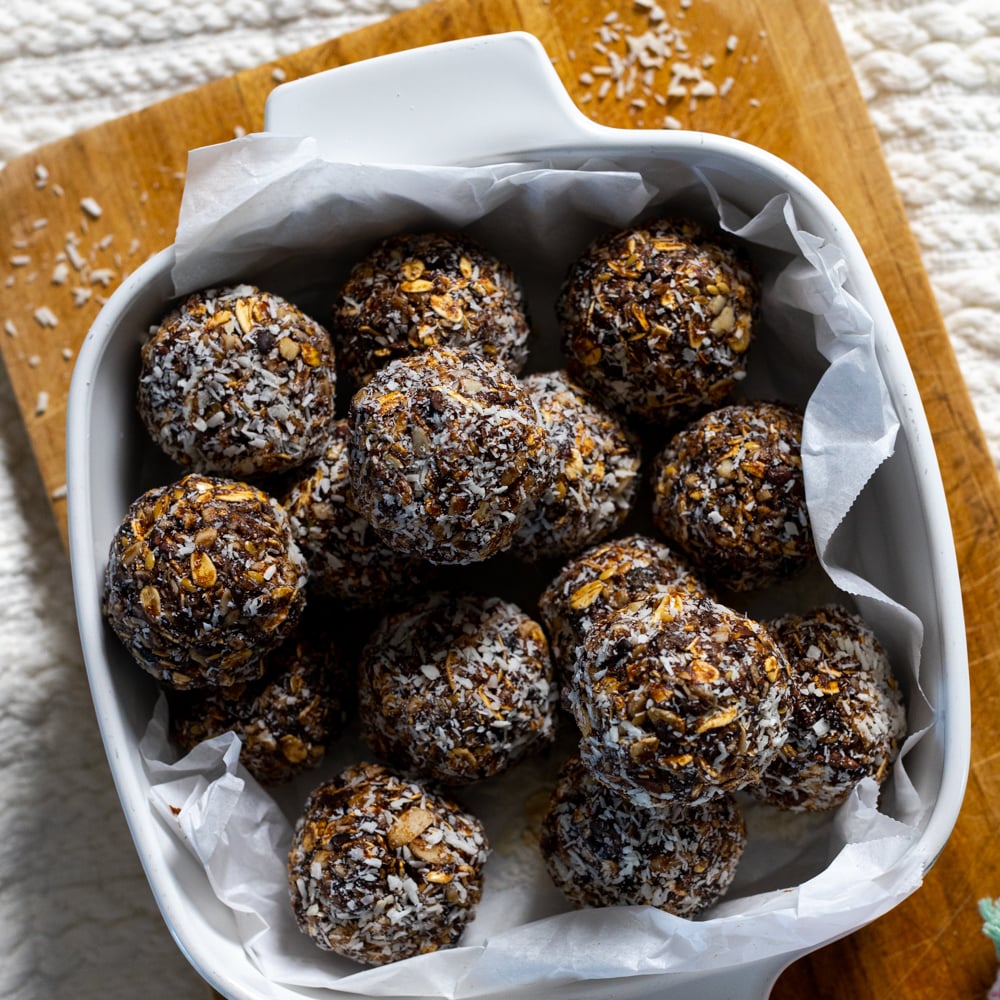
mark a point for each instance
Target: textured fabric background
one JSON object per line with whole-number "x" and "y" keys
{"x": 76, "y": 916}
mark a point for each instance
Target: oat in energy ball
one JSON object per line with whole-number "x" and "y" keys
{"x": 347, "y": 559}
{"x": 679, "y": 699}
{"x": 603, "y": 579}
{"x": 287, "y": 718}
{"x": 381, "y": 869}
{"x": 447, "y": 455}
{"x": 847, "y": 718}
{"x": 657, "y": 319}
{"x": 730, "y": 494}
{"x": 597, "y": 471}
{"x": 425, "y": 290}
{"x": 601, "y": 850}
{"x": 457, "y": 688}
{"x": 239, "y": 382}
{"x": 203, "y": 579}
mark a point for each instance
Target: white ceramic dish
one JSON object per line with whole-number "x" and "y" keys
{"x": 388, "y": 111}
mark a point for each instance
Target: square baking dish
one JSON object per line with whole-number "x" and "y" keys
{"x": 892, "y": 547}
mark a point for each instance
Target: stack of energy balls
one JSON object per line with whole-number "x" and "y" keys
{"x": 447, "y": 457}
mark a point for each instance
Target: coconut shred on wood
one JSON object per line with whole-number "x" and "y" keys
{"x": 644, "y": 59}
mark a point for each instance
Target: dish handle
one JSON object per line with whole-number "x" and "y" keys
{"x": 473, "y": 100}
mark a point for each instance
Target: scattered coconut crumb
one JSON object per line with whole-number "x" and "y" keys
{"x": 20, "y": 260}
{"x": 41, "y": 176}
{"x": 239, "y": 131}
{"x": 133, "y": 246}
{"x": 57, "y": 190}
{"x": 81, "y": 296}
{"x": 9, "y": 328}
{"x": 60, "y": 273}
{"x": 646, "y": 61}
{"x": 34, "y": 361}
{"x": 105, "y": 241}
{"x": 278, "y": 75}
{"x": 44, "y": 316}
{"x": 41, "y": 403}
{"x": 91, "y": 207}
{"x": 74, "y": 255}
{"x": 102, "y": 276}
{"x": 39, "y": 223}
{"x": 67, "y": 354}
{"x": 59, "y": 493}
{"x": 754, "y": 103}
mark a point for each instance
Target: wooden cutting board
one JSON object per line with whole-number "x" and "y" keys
{"x": 79, "y": 214}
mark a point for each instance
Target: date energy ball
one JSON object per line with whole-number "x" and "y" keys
{"x": 347, "y": 560}
{"x": 603, "y": 579}
{"x": 601, "y": 850}
{"x": 457, "y": 688}
{"x": 203, "y": 579}
{"x": 286, "y": 719}
{"x": 425, "y": 290}
{"x": 238, "y": 382}
{"x": 679, "y": 699}
{"x": 597, "y": 471}
{"x": 728, "y": 491}
{"x": 847, "y": 718}
{"x": 381, "y": 869}
{"x": 657, "y": 319}
{"x": 447, "y": 454}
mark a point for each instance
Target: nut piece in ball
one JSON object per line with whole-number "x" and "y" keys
{"x": 457, "y": 688}
{"x": 381, "y": 869}
{"x": 679, "y": 699}
{"x": 597, "y": 471}
{"x": 847, "y": 718}
{"x": 203, "y": 579}
{"x": 239, "y": 382}
{"x": 730, "y": 494}
{"x": 447, "y": 455}
{"x": 601, "y": 850}
{"x": 657, "y": 319}
{"x": 425, "y": 290}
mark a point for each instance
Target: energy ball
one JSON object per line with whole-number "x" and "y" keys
{"x": 286, "y": 719}
{"x": 601, "y": 850}
{"x": 381, "y": 869}
{"x": 238, "y": 382}
{"x": 847, "y": 718}
{"x": 458, "y": 688}
{"x": 447, "y": 455}
{"x": 728, "y": 491}
{"x": 428, "y": 290}
{"x": 203, "y": 579}
{"x": 597, "y": 471}
{"x": 679, "y": 699}
{"x": 347, "y": 560}
{"x": 603, "y": 579}
{"x": 658, "y": 318}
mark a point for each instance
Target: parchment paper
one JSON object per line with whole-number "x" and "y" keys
{"x": 266, "y": 208}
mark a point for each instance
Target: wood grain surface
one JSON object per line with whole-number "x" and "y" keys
{"x": 78, "y": 215}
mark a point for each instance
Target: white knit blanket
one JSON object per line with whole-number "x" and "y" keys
{"x": 76, "y": 916}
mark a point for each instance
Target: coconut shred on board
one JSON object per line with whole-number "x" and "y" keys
{"x": 643, "y": 59}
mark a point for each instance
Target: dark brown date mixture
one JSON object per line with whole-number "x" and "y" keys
{"x": 203, "y": 579}
{"x": 597, "y": 471}
{"x": 730, "y": 494}
{"x": 348, "y": 562}
{"x": 603, "y": 579}
{"x": 601, "y": 850}
{"x": 425, "y": 290}
{"x": 447, "y": 455}
{"x": 847, "y": 719}
{"x": 679, "y": 699}
{"x": 239, "y": 382}
{"x": 285, "y": 720}
{"x": 457, "y": 688}
{"x": 381, "y": 869}
{"x": 657, "y": 319}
